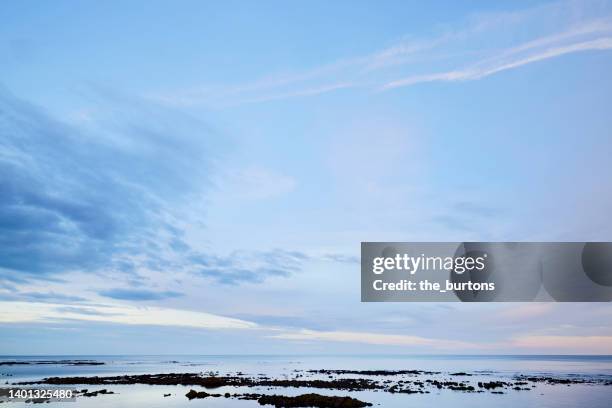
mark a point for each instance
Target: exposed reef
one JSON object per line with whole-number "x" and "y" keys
{"x": 303, "y": 400}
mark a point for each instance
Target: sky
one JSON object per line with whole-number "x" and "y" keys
{"x": 196, "y": 177}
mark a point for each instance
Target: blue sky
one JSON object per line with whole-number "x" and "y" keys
{"x": 201, "y": 173}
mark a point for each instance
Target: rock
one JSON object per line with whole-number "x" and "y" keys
{"x": 96, "y": 393}
{"x": 200, "y": 394}
{"x": 374, "y": 372}
{"x": 349, "y": 384}
{"x": 312, "y": 400}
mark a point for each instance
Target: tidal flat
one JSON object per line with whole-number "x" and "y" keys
{"x": 316, "y": 381}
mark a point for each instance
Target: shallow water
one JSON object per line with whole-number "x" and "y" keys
{"x": 483, "y": 368}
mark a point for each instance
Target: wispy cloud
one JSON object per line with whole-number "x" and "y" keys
{"x": 317, "y": 90}
{"x": 443, "y": 57}
{"x": 138, "y": 294}
{"x": 13, "y": 294}
{"x": 479, "y": 71}
{"x": 32, "y": 312}
{"x": 566, "y": 344}
{"x": 526, "y": 311}
{"x": 240, "y": 267}
{"x": 375, "y": 339}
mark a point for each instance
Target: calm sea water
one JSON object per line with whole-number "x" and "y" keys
{"x": 485, "y": 368}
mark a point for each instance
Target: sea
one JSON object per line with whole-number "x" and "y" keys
{"x": 480, "y": 368}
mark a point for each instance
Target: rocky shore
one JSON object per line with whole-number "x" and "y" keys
{"x": 391, "y": 381}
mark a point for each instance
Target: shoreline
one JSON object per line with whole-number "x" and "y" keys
{"x": 409, "y": 381}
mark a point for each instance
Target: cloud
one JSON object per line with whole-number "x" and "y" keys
{"x": 89, "y": 198}
{"x": 107, "y": 196}
{"x": 566, "y": 344}
{"x": 249, "y": 267}
{"x": 256, "y": 266}
{"x": 47, "y": 297}
{"x": 527, "y": 311}
{"x": 318, "y": 90}
{"x": 480, "y": 70}
{"x": 83, "y": 311}
{"x": 32, "y": 312}
{"x": 375, "y": 339}
{"x": 341, "y": 258}
{"x": 138, "y": 294}
{"x": 447, "y": 55}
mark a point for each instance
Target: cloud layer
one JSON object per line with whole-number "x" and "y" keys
{"x": 89, "y": 198}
